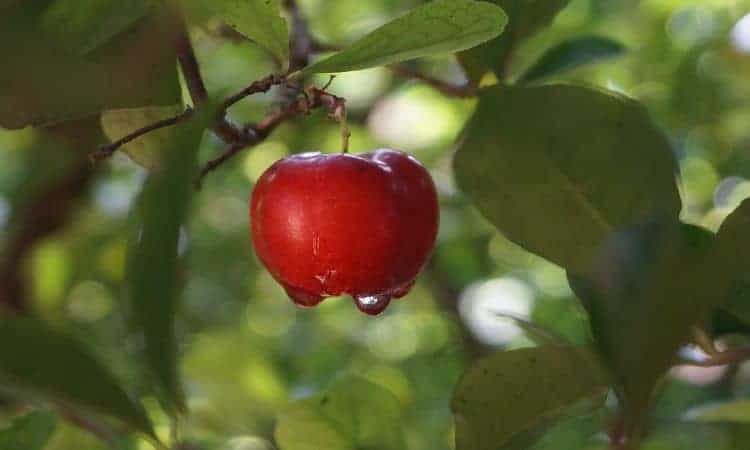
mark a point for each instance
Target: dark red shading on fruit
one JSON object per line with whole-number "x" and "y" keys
{"x": 328, "y": 225}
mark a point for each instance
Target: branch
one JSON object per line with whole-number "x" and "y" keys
{"x": 444, "y": 87}
{"x": 237, "y": 137}
{"x": 303, "y": 43}
{"x": 257, "y": 87}
{"x": 108, "y": 150}
{"x": 105, "y": 434}
{"x": 311, "y": 99}
{"x": 191, "y": 70}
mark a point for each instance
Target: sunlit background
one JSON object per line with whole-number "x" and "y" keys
{"x": 247, "y": 351}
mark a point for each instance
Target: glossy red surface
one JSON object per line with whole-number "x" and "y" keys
{"x": 362, "y": 225}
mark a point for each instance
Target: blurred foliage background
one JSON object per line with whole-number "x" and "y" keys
{"x": 247, "y": 351}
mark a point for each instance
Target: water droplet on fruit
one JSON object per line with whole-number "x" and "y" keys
{"x": 372, "y": 304}
{"x": 302, "y": 298}
{"x": 400, "y": 291}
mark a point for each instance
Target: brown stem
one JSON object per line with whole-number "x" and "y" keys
{"x": 313, "y": 98}
{"x": 191, "y": 71}
{"x": 302, "y": 44}
{"x": 97, "y": 429}
{"x": 258, "y": 86}
{"x": 444, "y": 87}
{"x": 107, "y": 150}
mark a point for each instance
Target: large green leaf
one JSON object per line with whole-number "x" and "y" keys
{"x": 44, "y": 362}
{"x": 354, "y": 414}
{"x": 731, "y": 266}
{"x": 153, "y": 264}
{"x": 40, "y": 82}
{"x": 258, "y": 20}
{"x": 29, "y": 432}
{"x": 572, "y": 54}
{"x": 147, "y": 150}
{"x": 506, "y": 400}
{"x": 526, "y": 17}
{"x": 644, "y": 292}
{"x": 80, "y": 27}
{"x": 441, "y": 26}
{"x": 559, "y": 168}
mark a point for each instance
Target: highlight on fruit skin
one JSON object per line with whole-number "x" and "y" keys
{"x": 327, "y": 225}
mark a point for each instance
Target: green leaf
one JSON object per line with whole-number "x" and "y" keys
{"x": 258, "y": 20}
{"x": 441, "y": 26}
{"x": 44, "y": 362}
{"x": 506, "y": 400}
{"x": 81, "y": 28}
{"x": 525, "y": 18}
{"x": 644, "y": 292}
{"x": 29, "y": 432}
{"x": 42, "y": 83}
{"x": 559, "y": 168}
{"x": 354, "y": 414}
{"x": 731, "y": 265}
{"x": 573, "y": 54}
{"x": 154, "y": 268}
{"x": 147, "y": 150}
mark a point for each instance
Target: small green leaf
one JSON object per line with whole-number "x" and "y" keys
{"x": 29, "y": 432}
{"x": 354, "y": 414}
{"x": 573, "y": 54}
{"x": 80, "y": 28}
{"x": 258, "y": 20}
{"x": 525, "y": 18}
{"x": 154, "y": 270}
{"x": 644, "y": 292}
{"x": 44, "y": 362}
{"x": 146, "y": 150}
{"x": 559, "y": 168}
{"x": 441, "y": 26}
{"x": 506, "y": 400}
{"x": 42, "y": 83}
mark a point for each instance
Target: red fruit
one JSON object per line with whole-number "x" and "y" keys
{"x": 362, "y": 225}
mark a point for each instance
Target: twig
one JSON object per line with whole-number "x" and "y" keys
{"x": 191, "y": 70}
{"x": 303, "y": 42}
{"x": 444, "y": 87}
{"x": 311, "y": 99}
{"x": 105, "y": 434}
{"x": 108, "y": 150}
{"x": 258, "y": 86}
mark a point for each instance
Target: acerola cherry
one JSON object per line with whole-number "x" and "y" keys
{"x": 328, "y": 225}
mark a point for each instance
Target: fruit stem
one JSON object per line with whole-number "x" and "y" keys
{"x": 345, "y": 134}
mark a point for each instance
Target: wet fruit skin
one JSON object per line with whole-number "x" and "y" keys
{"x": 332, "y": 224}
